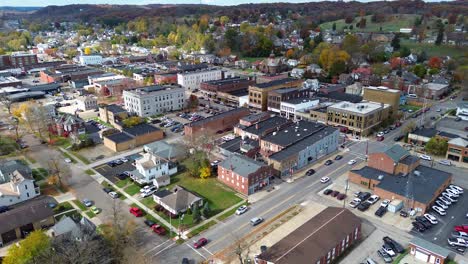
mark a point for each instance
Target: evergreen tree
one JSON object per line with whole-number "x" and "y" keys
{"x": 196, "y": 214}
{"x": 440, "y": 36}
{"x": 334, "y": 27}
{"x": 396, "y": 42}
{"x": 206, "y": 210}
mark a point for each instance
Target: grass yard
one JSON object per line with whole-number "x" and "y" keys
{"x": 253, "y": 59}
{"x": 202, "y": 228}
{"x": 90, "y": 172}
{"x": 81, "y": 157}
{"x": 433, "y": 50}
{"x": 122, "y": 183}
{"x": 40, "y": 174}
{"x": 132, "y": 189}
{"x": 148, "y": 201}
{"x": 80, "y": 205}
{"x": 61, "y": 142}
{"x": 219, "y": 196}
{"x": 90, "y": 214}
{"x": 62, "y": 207}
{"x": 185, "y": 223}
{"x": 30, "y": 159}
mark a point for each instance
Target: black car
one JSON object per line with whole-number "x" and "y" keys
{"x": 310, "y": 172}
{"x": 418, "y": 226}
{"x": 424, "y": 221}
{"x": 397, "y": 247}
{"x": 107, "y": 190}
{"x": 111, "y": 164}
{"x": 327, "y": 191}
{"x": 363, "y": 206}
{"x": 4, "y": 209}
{"x": 149, "y": 223}
{"x": 403, "y": 213}
{"x": 364, "y": 196}
{"x": 328, "y": 162}
{"x": 398, "y": 138}
{"x": 338, "y": 157}
{"x": 185, "y": 261}
{"x": 118, "y": 162}
{"x": 122, "y": 176}
{"x": 459, "y": 250}
{"x": 156, "y": 121}
{"x": 381, "y": 211}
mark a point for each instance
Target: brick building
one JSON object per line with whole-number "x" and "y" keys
{"x": 216, "y": 123}
{"x": 226, "y": 85}
{"x": 320, "y": 240}
{"x": 65, "y": 73}
{"x": 275, "y": 97}
{"x": 258, "y": 93}
{"x": 458, "y": 150}
{"x": 244, "y": 174}
{"x": 165, "y": 78}
{"x": 428, "y": 252}
{"x": 254, "y": 118}
{"x": 396, "y": 174}
{"x": 132, "y": 137}
{"x": 381, "y": 94}
{"x": 21, "y": 60}
{"x": 112, "y": 114}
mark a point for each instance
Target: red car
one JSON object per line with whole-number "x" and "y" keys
{"x": 136, "y": 211}
{"x": 158, "y": 230}
{"x": 200, "y": 243}
{"x": 380, "y": 138}
{"x": 461, "y": 228}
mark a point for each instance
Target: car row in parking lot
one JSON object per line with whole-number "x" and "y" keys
{"x": 389, "y": 250}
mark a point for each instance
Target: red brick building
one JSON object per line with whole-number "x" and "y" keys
{"x": 226, "y": 85}
{"x": 165, "y": 78}
{"x": 216, "y": 123}
{"x": 23, "y": 59}
{"x": 320, "y": 240}
{"x": 244, "y": 174}
{"x": 395, "y": 174}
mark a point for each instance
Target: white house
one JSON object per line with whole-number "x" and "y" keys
{"x": 90, "y": 59}
{"x": 177, "y": 200}
{"x": 86, "y": 103}
{"x": 297, "y": 73}
{"x": 150, "y": 167}
{"x": 16, "y": 183}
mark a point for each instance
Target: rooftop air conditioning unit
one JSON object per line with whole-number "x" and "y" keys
{"x": 380, "y": 177}
{"x": 417, "y": 173}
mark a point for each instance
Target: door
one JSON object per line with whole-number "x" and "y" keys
{"x": 421, "y": 256}
{"x": 432, "y": 259}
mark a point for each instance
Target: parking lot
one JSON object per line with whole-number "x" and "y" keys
{"x": 456, "y": 215}
{"x": 111, "y": 172}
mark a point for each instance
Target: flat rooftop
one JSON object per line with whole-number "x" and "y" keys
{"x": 274, "y": 83}
{"x": 293, "y": 133}
{"x": 261, "y": 127}
{"x": 227, "y": 81}
{"x": 153, "y": 89}
{"x": 216, "y": 117}
{"x": 363, "y": 107}
{"x": 382, "y": 89}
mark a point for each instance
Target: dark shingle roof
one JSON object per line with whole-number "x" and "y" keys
{"x": 119, "y": 137}
{"x": 408, "y": 160}
{"x": 140, "y": 129}
{"x": 274, "y": 83}
{"x": 115, "y": 109}
{"x": 289, "y": 135}
{"x": 342, "y": 97}
{"x": 425, "y": 132}
{"x": 216, "y": 117}
{"x": 314, "y": 239}
{"x": 260, "y": 127}
{"x": 30, "y": 212}
{"x": 396, "y": 152}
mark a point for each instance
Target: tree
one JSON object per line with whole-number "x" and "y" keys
{"x": 337, "y": 68}
{"x": 87, "y": 51}
{"x": 192, "y": 102}
{"x": 224, "y": 20}
{"x": 206, "y": 211}
{"x": 419, "y": 70}
{"x": 29, "y": 249}
{"x": 334, "y": 26}
{"x": 410, "y": 126}
{"x": 440, "y": 36}
{"x": 132, "y": 121}
{"x": 205, "y": 172}
{"x": 435, "y": 62}
{"x": 7, "y": 146}
{"x": 380, "y": 69}
{"x": 350, "y": 44}
{"x": 437, "y": 146}
{"x": 195, "y": 213}
{"x": 396, "y": 42}
{"x": 289, "y": 53}
{"x": 405, "y": 51}
{"x": 5, "y": 100}
{"x": 329, "y": 56}
{"x": 59, "y": 172}
{"x": 349, "y": 19}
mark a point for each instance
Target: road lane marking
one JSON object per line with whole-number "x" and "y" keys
{"x": 196, "y": 251}
{"x": 208, "y": 251}
{"x": 156, "y": 247}
{"x": 157, "y": 253}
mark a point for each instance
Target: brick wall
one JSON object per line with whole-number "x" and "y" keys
{"x": 214, "y": 125}
{"x": 150, "y": 137}
{"x": 381, "y": 162}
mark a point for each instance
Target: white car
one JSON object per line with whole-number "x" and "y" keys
{"x": 441, "y": 204}
{"x": 146, "y": 188}
{"x": 458, "y": 188}
{"x": 388, "y": 250}
{"x": 352, "y": 162}
{"x": 355, "y": 202}
{"x": 456, "y": 241}
{"x": 241, "y": 210}
{"x": 324, "y": 179}
{"x": 454, "y": 193}
{"x": 425, "y": 157}
{"x": 373, "y": 199}
{"x": 148, "y": 192}
{"x": 445, "y": 200}
{"x": 449, "y": 197}
{"x": 431, "y": 219}
{"x": 380, "y": 134}
{"x": 67, "y": 160}
{"x": 445, "y": 162}
{"x": 439, "y": 210}
{"x": 385, "y": 203}
{"x": 114, "y": 195}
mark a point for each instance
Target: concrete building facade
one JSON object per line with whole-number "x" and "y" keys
{"x": 154, "y": 100}
{"x": 191, "y": 80}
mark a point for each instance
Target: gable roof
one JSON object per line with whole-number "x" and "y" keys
{"x": 180, "y": 199}
{"x": 8, "y": 167}
{"x": 396, "y": 152}
{"x": 433, "y": 248}
{"x": 31, "y": 211}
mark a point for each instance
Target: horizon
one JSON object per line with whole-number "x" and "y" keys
{"x": 36, "y": 3}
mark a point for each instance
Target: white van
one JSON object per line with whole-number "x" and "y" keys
{"x": 370, "y": 261}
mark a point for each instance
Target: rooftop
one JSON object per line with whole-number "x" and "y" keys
{"x": 263, "y": 126}
{"x": 31, "y": 211}
{"x": 410, "y": 159}
{"x": 227, "y": 81}
{"x": 284, "y": 90}
{"x": 241, "y": 165}
{"x": 235, "y": 144}
{"x": 433, "y": 248}
{"x": 396, "y": 152}
{"x": 140, "y": 129}
{"x": 425, "y": 132}
{"x": 342, "y": 97}
{"x": 274, "y": 83}
{"x": 216, "y": 117}
{"x": 363, "y": 107}
{"x": 293, "y": 133}
{"x": 119, "y": 137}
{"x": 461, "y": 142}
{"x": 309, "y": 242}
{"x": 302, "y": 100}
{"x": 382, "y": 88}
{"x": 113, "y": 108}
{"x": 255, "y": 117}
{"x": 153, "y": 89}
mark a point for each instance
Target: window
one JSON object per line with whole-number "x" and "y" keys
{"x": 26, "y": 187}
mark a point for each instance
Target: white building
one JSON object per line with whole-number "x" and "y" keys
{"x": 191, "y": 79}
{"x": 90, "y": 59}
{"x": 153, "y": 100}
{"x": 462, "y": 111}
{"x": 151, "y": 167}
{"x": 16, "y": 183}
{"x": 289, "y": 108}
{"x": 86, "y": 103}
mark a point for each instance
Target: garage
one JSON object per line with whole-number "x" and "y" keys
{"x": 26, "y": 229}
{"x": 421, "y": 256}
{"x": 9, "y": 236}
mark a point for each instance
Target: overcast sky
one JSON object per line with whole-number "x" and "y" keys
{"x": 143, "y": 2}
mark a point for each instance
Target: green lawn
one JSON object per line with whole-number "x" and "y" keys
{"x": 90, "y": 214}
{"x": 202, "y": 228}
{"x": 132, "y": 189}
{"x": 185, "y": 222}
{"x": 149, "y": 202}
{"x": 434, "y": 50}
{"x": 253, "y": 59}
{"x": 80, "y": 205}
{"x": 101, "y": 122}
{"x": 62, "y": 207}
{"x": 61, "y": 142}
{"x": 229, "y": 213}
{"x": 122, "y": 183}
{"x": 90, "y": 172}
{"x": 219, "y": 196}
{"x": 81, "y": 157}
{"x": 40, "y": 174}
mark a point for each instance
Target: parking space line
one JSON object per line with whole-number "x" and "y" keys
{"x": 208, "y": 251}
{"x": 163, "y": 249}
{"x": 156, "y": 247}
{"x": 196, "y": 251}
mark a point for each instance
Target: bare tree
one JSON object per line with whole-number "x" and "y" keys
{"x": 59, "y": 172}
{"x": 5, "y": 100}
{"x": 242, "y": 250}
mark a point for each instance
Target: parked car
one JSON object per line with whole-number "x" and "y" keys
{"x": 431, "y": 219}
{"x": 452, "y": 186}
{"x": 385, "y": 257}
{"x": 418, "y": 226}
{"x": 328, "y": 162}
{"x": 310, "y": 172}
{"x": 398, "y": 138}
{"x": 338, "y": 157}
{"x": 256, "y": 220}
{"x": 388, "y": 249}
{"x": 95, "y": 210}
{"x": 185, "y": 261}
{"x": 87, "y": 202}
{"x": 355, "y": 202}
{"x": 403, "y": 213}
{"x": 425, "y": 157}
{"x": 4, "y": 208}
{"x": 107, "y": 190}
{"x": 439, "y": 210}
{"x": 363, "y": 206}
{"x": 148, "y": 192}
{"x": 380, "y": 138}
{"x": 341, "y": 196}
{"x": 373, "y": 199}
{"x": 423, "y": 221}
{"x": 452, "y": 192}
{"x": 381, "y": 211}
{"x": 334, "y": 193}
{"x": 380, "y": 134}
{"x": 449, "y": 197}
{"x": 327, "y": 191}
{"x": 136, "y": 211}
{"x": 114, "y": 195}
{"x": 444, "y": 200}
{"x": 324, "y": 179}
{"x": 385, "y": 203}
{"x": 352, "y": 162}
{"x": 364, "y": 196}
{"x": 67, "y": 160}
{"x": 241, "y": 210}
{"x": 121, "y": 176}
{"x": 397, "y": 247}
{"x": 158, "y": 229}
{"x": 441, "y": 204}
{"x": 460, "y": 234}
{"x": 149, "y": 223}
{"x": 456, "y": 241}
{"x": 461, "y": 228}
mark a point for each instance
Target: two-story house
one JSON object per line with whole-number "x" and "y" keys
{"x": 16, "y": 183}
{"x": 151, "y": 167}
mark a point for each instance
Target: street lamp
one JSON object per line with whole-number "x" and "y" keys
{"x": 178, "y": 227}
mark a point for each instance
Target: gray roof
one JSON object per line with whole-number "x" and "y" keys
{"x": 396, "y": 152}
{"x": 342, "y": 97}
{"x": 241, "y": 165}
{"x": 371, "y": 173}
{"x": 459, "y": 142}
{"x": 274, "y": 83}
{"x": 411, "y": 159}
{"x": 31, "y": 211}
{"x": 115, "y": 109}
{"x": 140, "y": 129}
{"x": 433, "y": 248}
{"x": 163, "y": 149}
{"x": 234, "y": 145}
{"x": 66, "y": 226}
{"x": 25, "y": 95}
{"x": 119, "y": 137}
{"x": 255, "y": 117}
{"x": 264, "y": 126}
{"x": 425, "y": 132}
{"x": 10, "y": 166}
{"x": 44, "y": 87}
{"x": 216, "y": 117}
{"x": 448, "y": 135}
{"x": 180, "y": 199}
{"x": 289, "y": 135}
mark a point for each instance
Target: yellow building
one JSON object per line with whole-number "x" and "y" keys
{"x": 258, "y": 93}
{"x": 384, "y": 95}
